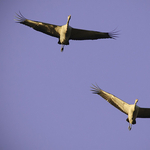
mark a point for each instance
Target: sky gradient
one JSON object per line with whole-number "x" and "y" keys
{"x": 46, "y": 102}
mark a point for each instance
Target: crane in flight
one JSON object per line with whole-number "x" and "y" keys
{"x": 65, "y": 32}
{"x": 132, "y": 110}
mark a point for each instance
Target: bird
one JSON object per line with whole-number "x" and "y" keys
{"x": 65, "y": 32}
{"x": 132, "y": 110}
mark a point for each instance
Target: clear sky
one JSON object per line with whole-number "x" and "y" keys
{"x": 45, "y": 98}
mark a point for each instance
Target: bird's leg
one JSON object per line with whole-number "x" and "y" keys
{"x": 62, "y": 48}
{"x": 129, "y": 127}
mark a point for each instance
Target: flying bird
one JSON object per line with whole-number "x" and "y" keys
{"x": 65, "y": 32}
{"x": 132, "y": 110}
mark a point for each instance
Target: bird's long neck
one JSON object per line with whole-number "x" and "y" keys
{"x": 68, "y": 21}
{"x": 136, "y": 109}
{"x": 134, "y": 105}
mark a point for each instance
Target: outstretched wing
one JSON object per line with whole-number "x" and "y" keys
{"x": 143, "y": 113}
{"x": 79, "y": 34}
{"x": 116, "y": 102}
{"x": 50, "y": 29}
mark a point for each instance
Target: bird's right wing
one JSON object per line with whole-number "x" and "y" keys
{"x": 50, "y": 29}
{"x": 80, "y": 34}
{"x": 116, "y": 102}
{"x": 143, "y": 113}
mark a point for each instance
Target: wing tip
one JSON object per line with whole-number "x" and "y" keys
{"x": 95, "y": 89}
{"x": 19, "y": 18}
{"x": 114, "y": 34}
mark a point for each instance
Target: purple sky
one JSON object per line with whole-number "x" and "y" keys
{"x": 45, "y": 100}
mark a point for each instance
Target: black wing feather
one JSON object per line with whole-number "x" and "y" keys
{"x": 80, "y": 34}
{"x": 143, "y": 113}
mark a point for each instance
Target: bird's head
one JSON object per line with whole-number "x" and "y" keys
{"x": 69, "y": 17}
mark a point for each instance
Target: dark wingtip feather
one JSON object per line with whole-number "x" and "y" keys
{"x": 95, "y": 89}
{"x": 19, "y": 18}
{"x": 114, "y": 34}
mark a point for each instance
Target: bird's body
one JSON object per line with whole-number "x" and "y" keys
{"x": 65, "y": 32}
{"x": 132, "y": 110}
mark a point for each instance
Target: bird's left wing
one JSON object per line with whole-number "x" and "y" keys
{"x": 116, "y": 102}
{"x": 50, "y": 29}
{"x": 143, "y": 113}
{"x": 80, "y": 34}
